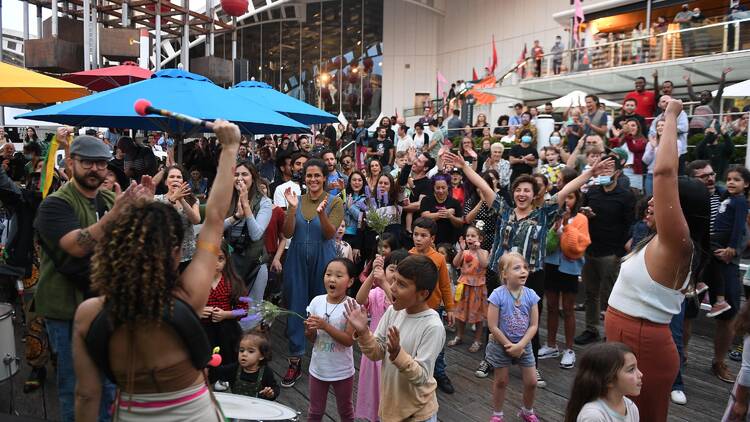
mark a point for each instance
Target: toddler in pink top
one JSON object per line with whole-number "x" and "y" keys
{"x": 375, "y": 297}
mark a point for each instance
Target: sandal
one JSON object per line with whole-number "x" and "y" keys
{"x": 455, "y": 342}
{"x": 475, "y": 347}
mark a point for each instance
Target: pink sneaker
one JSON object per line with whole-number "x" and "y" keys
{"x": 496, "y": 418}
{"x": 528, "y": 417}
{"x": 719, "y": 308}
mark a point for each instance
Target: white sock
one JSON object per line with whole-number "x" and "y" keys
{"x": 500, "y": 413}
{"x": 526, "y": 411}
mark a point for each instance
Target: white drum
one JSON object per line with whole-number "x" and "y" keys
{"x": 8, "y": 358}
{"x": 242, "y": 408}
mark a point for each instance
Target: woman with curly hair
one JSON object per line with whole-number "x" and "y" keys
{"x": 143, "y": 332}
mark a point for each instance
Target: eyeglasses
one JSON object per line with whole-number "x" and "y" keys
{"x": 706, "y": 176}
{"x": 88, "y": 164}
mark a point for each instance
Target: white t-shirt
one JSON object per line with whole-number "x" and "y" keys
{"x": 405, "y": 143}
{"x": 598, "y": 411}
{"x": 278, "y": 196}
{"x": 331, "y": 361}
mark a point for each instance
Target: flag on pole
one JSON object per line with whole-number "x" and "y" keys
{"x": 474, "y": 76}
{"x": 493, "y": 65}
{"x": 48, "y": 172}
{"x": 578, "y": 19}
{"x": 441, "y": 83}
{"x": 522, "y": 68}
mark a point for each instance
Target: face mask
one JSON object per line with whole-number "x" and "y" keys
{"x": 603, "y": 180}
{"x": 28, "y": 157}
{"x": 526, "y": 139}
{"x": 554, "y": 140}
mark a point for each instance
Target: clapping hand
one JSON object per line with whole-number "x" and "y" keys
{"x": 291, "y": 198}
{"x": 322, "y": 206}
{"x": 462, "y": 243}
{"x": 394, "y": 343}
{"x": 356, "y": 315}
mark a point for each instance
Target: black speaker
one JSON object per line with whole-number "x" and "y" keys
{"x": 241, "y": 70}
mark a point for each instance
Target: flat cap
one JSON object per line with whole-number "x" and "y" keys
{"x": 90, "y": 148}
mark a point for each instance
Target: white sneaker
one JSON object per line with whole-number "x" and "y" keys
{"x": 678, "y": 397}
{"x": 540, "y": 382}
{"x": 546, "y": 352}
{"x": 221, "y": 386}
{"x": 568, "y": 359}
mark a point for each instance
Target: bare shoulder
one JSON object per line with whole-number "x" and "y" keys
{"x": 87, "y": 311}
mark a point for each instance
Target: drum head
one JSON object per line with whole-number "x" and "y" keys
{"x": 6, "y": 309}
{"x": 247, "y": 408}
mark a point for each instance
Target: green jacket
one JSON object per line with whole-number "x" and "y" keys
{"x": 57, "y": 295}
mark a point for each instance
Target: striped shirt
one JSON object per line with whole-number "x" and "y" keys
{"x": 715, "y": 203}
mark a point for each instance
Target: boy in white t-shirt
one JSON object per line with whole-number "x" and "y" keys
{"x": 411, "y": 335}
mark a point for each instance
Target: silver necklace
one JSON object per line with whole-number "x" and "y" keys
{"x": 328, "y": 314}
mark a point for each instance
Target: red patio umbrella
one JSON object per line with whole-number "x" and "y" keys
{"x": 106, "y": 78}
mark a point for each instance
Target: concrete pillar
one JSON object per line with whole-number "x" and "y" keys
{"x": 86, "y": 34}
{"x": 209, "y": 40}
{"x": 144, "y": 48}
{"x": 54, "y": 18}
{"x": 185, "y": 45}
{"x": 39, "y": 21}
{"x": 125, "y": 14}
{"x": 234, "y": 39}
{"x": 157, "y": 48}
{"x": 25, "y": 20}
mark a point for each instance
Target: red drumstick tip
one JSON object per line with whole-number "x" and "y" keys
{"x": 141, "y": 106}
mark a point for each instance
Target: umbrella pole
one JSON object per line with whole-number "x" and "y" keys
{"x": 179, "y": 147}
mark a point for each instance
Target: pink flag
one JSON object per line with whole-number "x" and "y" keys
{"x": 578, "y": 19}
{"x": 493, "y": 65}
{"x": 441, "y": 83}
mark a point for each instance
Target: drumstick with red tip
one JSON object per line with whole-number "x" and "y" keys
{"x": 143, "y": 107}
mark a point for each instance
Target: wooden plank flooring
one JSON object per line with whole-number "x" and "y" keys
{"x": 707, "y": 396}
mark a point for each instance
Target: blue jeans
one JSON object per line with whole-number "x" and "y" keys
{"x": 440, "y": 366}
{"x": 60, "y": 334}
{"x": 648, "y": 184}
{"x": 676, "y": 327}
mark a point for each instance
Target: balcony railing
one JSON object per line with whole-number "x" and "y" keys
{"x": 674, "y": 43}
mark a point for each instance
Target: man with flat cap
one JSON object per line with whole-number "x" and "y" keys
{"x": 69, "y": 223}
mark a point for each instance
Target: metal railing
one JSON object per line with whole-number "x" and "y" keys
{"x": 673, "y": 43}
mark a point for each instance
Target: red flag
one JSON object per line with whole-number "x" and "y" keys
{"x": 474, "y": 76}
{"x": 522, "y": 59}
{"x": 494, "y": 56}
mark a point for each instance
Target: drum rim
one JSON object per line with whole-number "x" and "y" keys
{"x": 270, "y": 403}
{"x": 10, "y": 311}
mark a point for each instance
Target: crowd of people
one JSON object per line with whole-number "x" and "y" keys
{"x": 383, "y": 245}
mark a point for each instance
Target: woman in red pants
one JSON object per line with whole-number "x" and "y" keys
{"x": 649, "y": 289}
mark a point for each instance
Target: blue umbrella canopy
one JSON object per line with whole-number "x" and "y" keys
{"x": 263, "y": 94}
{"x": 171, "y": 89}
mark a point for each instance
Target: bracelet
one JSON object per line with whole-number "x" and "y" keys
{"x": 209, "y": 247}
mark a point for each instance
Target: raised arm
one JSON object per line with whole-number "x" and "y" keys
{"x": 485, "y": 191}
{"x": 582, "y": 178}
{"x": 196, "y": 280}
{"x": 673, "y": 244}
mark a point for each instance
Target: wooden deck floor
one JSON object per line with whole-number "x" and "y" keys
{"x": 707, "y": 396}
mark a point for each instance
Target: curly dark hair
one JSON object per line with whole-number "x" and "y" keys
{"x": 134, "y": 266}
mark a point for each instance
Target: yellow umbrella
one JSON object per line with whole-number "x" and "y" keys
{"x": 19, "y": 86}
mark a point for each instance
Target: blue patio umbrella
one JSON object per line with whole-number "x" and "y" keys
{"x": 263, "y": 94}
{"x": 171, "y": 89}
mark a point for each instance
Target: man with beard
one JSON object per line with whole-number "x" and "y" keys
{"x": 69, "y": 223}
